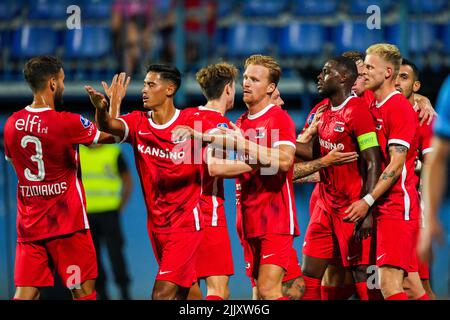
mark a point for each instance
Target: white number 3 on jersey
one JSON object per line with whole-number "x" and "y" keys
{"x": 37, "y": 158}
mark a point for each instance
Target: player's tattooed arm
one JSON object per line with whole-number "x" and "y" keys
{"x": 294, "y": 289}
{"x": 358, "y": 210}
{"x": 333, "y": 158}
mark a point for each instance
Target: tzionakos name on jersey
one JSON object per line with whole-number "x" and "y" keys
{"x": 166, "y": 154}
{"x": 43, "y": 190}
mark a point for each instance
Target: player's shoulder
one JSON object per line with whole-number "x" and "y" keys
{"x": 277, "y": 112}
{"x": 357, "y": 105}
{"x": 321, "y": 103}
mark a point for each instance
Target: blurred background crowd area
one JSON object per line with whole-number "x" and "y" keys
{"x": 127, "y": 35}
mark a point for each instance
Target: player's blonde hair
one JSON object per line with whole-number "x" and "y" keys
{"x": 268, "y": 62}
{"x": 213, "y": 79}
{"x": 389, "y": 53}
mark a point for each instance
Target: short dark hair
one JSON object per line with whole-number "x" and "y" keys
{"x": 167, "y": 72}
{"x": 348, "y": 65}
{"x": 39, "y": 69}
{"x": 406, "y": 62}
{"x": 213, "y": 79}
{"x": 354, "y": 55}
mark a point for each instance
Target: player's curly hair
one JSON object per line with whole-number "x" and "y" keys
{"x": 354, "y": 55}
{"x": 213, "y": 79}
{"x": 388, "y": 52}
{"x": 268, "y": 62}
{"x": 38, "y": 70}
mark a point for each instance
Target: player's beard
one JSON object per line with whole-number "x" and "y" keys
{"x": 58, "y": 98}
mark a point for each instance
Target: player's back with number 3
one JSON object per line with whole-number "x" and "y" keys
{"x": 43, "y": 147}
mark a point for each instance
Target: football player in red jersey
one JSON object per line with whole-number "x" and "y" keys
{"x": 397, "y": 209}
{"x": 52, "y": 226}
{"x": 266, "y": 137}
{"x": 408, "y": 84}
{"x": 214, "y": 260}
{"x": 171, "y": 182}
{"x": 346, "y": 124}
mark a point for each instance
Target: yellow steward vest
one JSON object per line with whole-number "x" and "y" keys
{"x": 101, "y": 178}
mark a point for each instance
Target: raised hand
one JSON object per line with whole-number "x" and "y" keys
{"x": 97, "y": 99}
{"x": 116, "y": 92}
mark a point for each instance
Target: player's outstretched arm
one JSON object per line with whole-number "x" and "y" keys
{"x": 226, "y": 168}
{"x": 434, "y": 183}
{"x": 104, "y": 121}
{"x": 333, "y": 158}
{"x": 358, "y": 210}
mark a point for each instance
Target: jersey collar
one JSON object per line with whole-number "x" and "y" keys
{"x": 260, "y": 113}
{"x": 203, "y": 108}
{"x": 339, "y": 107}
{"x": 165, "y": 125}
{"x": 393, "y": 93}
{"x": 30, "y": 109}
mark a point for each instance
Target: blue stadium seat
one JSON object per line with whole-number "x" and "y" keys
{"x": 355, "y": 36}
{"x": 225, "y": 7}
{"x": 248, "y": 38}
{"x": 31, "y": 41}
{"x": 263, "y": 8}
{"x": 421, "y": 35}
{"x": 48, "y": 9}
{"x": 9, "y": 9}
{"x": 446, "y": 38}
{"x": 428, "y": 6}
{"x": 302, "y": 38}
{"x": 95, "y": 9}
{"x": 314, "y": 7}
{"x": 91, "y": 41}
{"x": 359, "y": 7}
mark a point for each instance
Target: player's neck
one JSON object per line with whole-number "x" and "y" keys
{"x": 42, "y": 100}
{"x": 254, "y": 109}
{"x": 217, "y": 105}
{"x": 384, "y": 90}
{"x": 163, "y": 114}
{"x": 339, "y": 97}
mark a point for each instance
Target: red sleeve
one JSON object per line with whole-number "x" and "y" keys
{"x": 401, "y": 122}
{"x": 425, "y": 135}
{"x": 361, "y": 120}
{"x": 130, "y": 121}
{"x": 202, "y": 122}
{"x": 80, "y": 129}
{"x": 283, "y": 130}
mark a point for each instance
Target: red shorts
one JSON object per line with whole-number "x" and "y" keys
{"x": 72, "y": 256}
{"x": 396, "y": 243}
{"x": 176, "y": 254}
{"x": 424, "y": 270}
{"x": 329, "y": 237}
{"x": 214, "y": 256}
{"x": 267, "y": 249}
{"x": 294, "y": 269}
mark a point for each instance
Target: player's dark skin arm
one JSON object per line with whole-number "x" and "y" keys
{"x": 359, "y": 209}
{"x": 372, "y": 162}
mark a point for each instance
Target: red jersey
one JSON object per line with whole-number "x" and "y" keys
{"x": 369, "y": 97}
{"x": 170, "y": 180}
{"x": 43, "y": 147}
{"x": 212, "y": 198}
{"x": 341, "y": 128}
{"x": 397, "y": 123}
{"x": 267, "y": 197}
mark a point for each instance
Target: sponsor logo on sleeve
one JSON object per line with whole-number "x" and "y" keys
{"x": 85, "y": 122}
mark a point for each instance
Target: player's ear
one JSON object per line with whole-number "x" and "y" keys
{"x": 271, "y": 88}
{"x": 170, "y": 90}
{"x": 416, "y": 86}
{"x": 52, "y": 84}
{"x": 389, "y": 72}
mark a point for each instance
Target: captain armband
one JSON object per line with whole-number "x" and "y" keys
{"x": 367, "y": 140}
